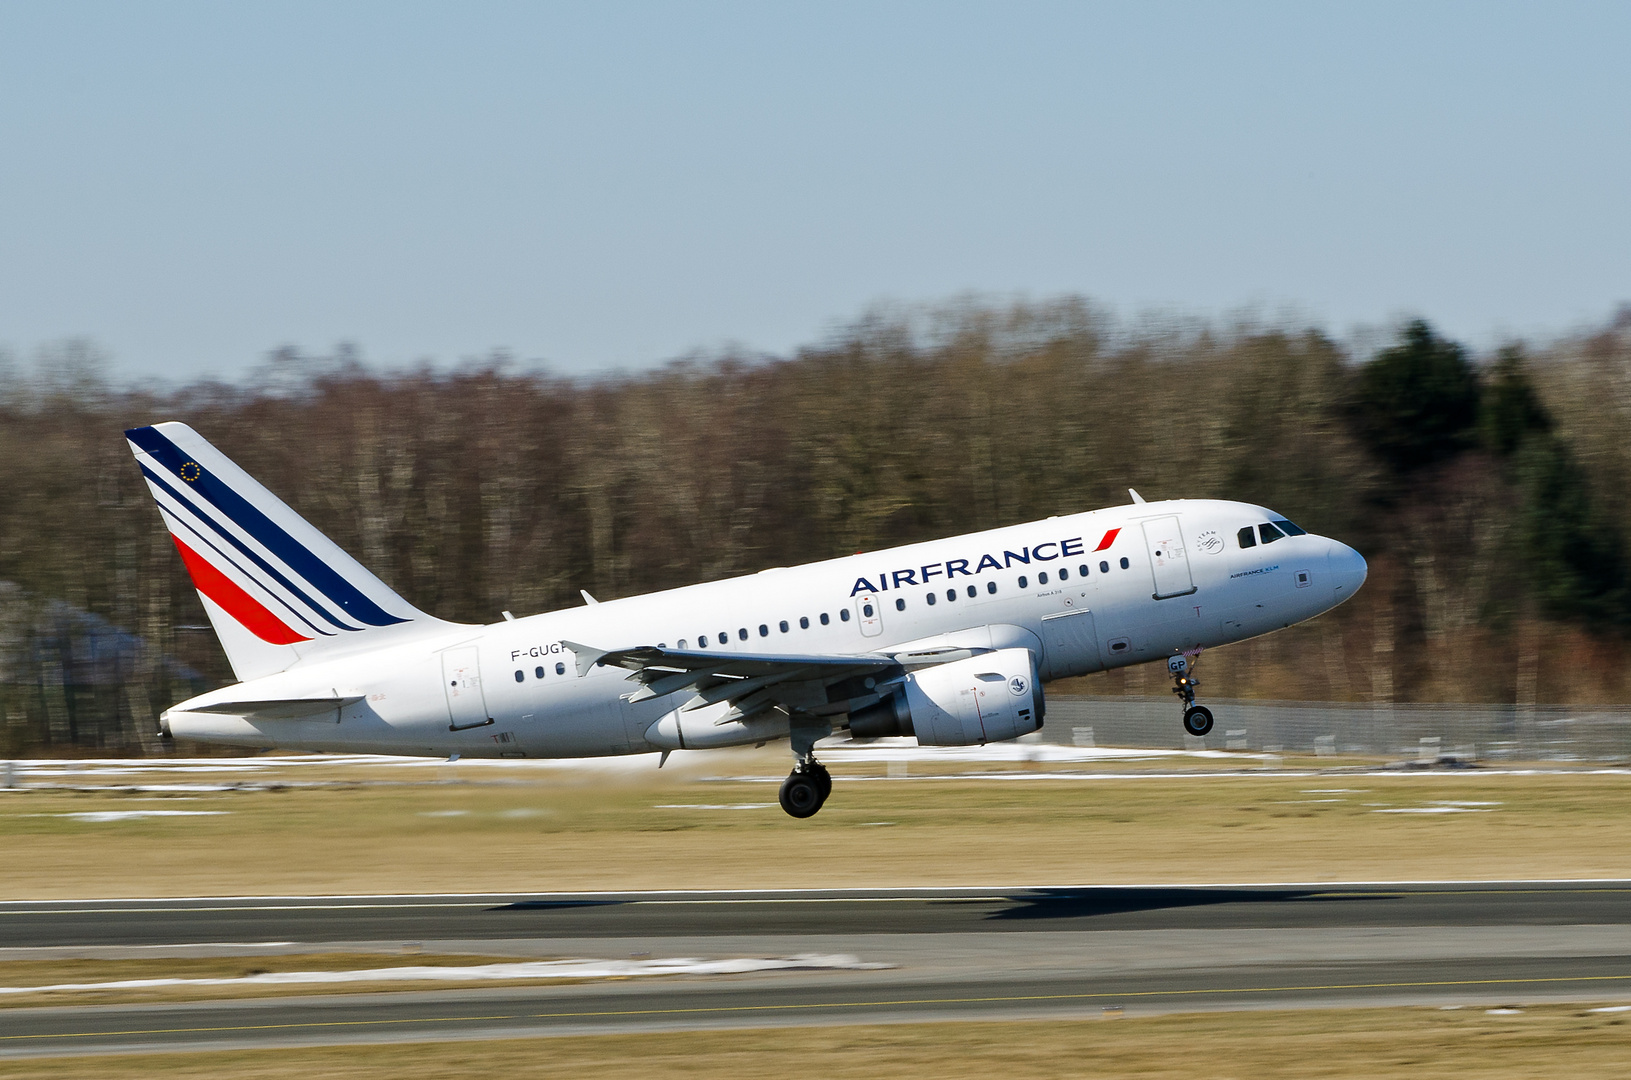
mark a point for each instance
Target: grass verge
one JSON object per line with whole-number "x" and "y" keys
{"x": 1379, "y": 1044}
{"x": 542, "y": 830}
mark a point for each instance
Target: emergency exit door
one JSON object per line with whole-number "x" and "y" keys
{"x": 1169, "y": 561}
{"x": 461, "y": 679}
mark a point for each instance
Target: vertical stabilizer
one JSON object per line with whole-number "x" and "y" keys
{"x": 275, "y": 588}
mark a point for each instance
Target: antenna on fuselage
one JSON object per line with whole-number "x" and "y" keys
{"x": 1137, "y": 498}
{"x": 587, "y": 599}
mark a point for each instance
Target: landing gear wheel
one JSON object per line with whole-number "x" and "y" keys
{"x": 1197, "y": 721}
{"x": 801, "y": 794}
{"x": 822, "y": 777}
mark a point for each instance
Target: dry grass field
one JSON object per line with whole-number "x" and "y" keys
{"x": 382, "y": 828}
{"x": 1377, "y": 1044}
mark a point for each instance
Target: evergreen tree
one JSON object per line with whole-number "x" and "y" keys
{"x": 1511, "y": 412}
{"x": 1418, "y": 401}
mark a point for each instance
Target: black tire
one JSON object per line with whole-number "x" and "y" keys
{"x": 823, "y": 778}
{"x": 1197, "y": 720}
{"x": 800, "y": 795}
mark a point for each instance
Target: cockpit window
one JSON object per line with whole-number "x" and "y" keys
{"x": 1247, "y": 537}
{"x": 1289, "y": 529}
{"x": 1269, "y": 533}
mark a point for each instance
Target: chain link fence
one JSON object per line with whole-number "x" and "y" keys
{"x": 1429, "y": 732}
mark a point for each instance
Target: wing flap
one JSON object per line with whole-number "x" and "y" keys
{"x": 751, "y": 682}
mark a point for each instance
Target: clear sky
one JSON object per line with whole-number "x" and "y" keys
{"x": 608, "y": 185}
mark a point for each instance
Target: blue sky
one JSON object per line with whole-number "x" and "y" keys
{"x": 612, "y": 185}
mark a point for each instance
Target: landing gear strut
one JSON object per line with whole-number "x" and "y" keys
{"x": 808, "y": 785}
{"x": 1197, "y": 718}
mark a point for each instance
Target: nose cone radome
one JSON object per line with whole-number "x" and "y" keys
{"x": 1347, "y": 570}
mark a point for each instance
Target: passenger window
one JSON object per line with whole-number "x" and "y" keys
{"x": 764, "y": 631}
{"x": 930, "y": 599}
{"x": 681, "y": 645}
{"x": 538, "y": 672}
{"x": 520, "y": 676}
{"x": 804, "y": 622}
{"x": 951, "y": 594}
{"x": 1269, "y": 533}
{"x": 844, "y": 615}
{"x": 1104, "y": 568}
{"x": 1023, "y": 582}
{"x": 1246, "y": 537}
{"x": 1042, "y": 578}
{"x": 824, "y": 619}
{"x": 560, "y": 669}
{"x": 991, "y": 587}
{"x": 1289, "y": 529}
{"x": 900, "y": 604}
{"x": 866, "y": 609}
{"x": 724, "y": 638}
{"x": 973, "y": 592}
{"x": 742, "y": 633}
{"x": 702, "y": 642}
{"x": 1124, "y": 562}
{"x": 1064, "y": 575}
{"x": 783, "y": 626}
{"x": 1082, "y": 569}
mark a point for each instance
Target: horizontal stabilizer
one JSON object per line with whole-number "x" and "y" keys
{"x": 281, "y": 708}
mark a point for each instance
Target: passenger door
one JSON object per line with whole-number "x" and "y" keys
{"x": 461, "y": 679}
{"x": 1169, "y": 562}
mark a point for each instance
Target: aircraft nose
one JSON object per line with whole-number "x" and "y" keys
{"x": 1347, "y": 568}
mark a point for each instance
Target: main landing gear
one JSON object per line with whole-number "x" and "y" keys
{"x": 806, "y": 788}
{"x": 808, "y": 785}
{"x": 1197, "y": 718}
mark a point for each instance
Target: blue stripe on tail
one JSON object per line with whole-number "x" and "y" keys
{"x": 266, "y": 532}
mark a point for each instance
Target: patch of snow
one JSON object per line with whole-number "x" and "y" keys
{"x": 102, "y": 816}
{"x": 535, "y": 969}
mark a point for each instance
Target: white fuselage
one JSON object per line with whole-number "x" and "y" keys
{"x": 1173, "y": 579}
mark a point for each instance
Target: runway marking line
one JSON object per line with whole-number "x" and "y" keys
{"x": 1388, "y": 893}
{"x": 825, "y": 1005}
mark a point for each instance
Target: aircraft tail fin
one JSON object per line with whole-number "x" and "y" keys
{"x": 275, "y": 588}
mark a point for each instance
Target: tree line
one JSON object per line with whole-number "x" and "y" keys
{"x": 1484, "y": 490}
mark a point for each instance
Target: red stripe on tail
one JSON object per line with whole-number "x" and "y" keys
{"x": 234, "y": 601}
{"x": 1109, "y": 538}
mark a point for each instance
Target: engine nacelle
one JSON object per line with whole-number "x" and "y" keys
{"x": 985, "y": 698}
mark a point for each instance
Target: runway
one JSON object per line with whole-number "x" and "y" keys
{"x": 947, "y": 954}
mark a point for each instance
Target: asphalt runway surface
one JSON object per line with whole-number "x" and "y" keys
{"x": 939, "y": 954}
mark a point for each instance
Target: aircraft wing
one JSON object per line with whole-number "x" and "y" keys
{"x": 751, "y": 682}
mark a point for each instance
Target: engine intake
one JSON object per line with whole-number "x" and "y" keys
{"x": 986, "y": 698}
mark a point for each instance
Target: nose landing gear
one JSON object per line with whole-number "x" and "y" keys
{"x": 1197, "y": 718}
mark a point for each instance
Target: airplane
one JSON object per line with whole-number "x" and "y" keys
{"x": 947, "y": 641}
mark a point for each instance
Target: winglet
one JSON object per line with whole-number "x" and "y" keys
{"x": 1137, "y": 498}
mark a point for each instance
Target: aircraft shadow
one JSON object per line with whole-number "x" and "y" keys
{"x": 1093, "y": 903}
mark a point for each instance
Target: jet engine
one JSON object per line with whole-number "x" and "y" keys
{"x": 985, "y": 698}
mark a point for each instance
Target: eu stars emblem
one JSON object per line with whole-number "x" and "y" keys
{"x": 190, "y": 471}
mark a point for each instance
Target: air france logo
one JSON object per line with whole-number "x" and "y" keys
{"x": 1210, "y": 543}
{"x": 1045, "y": 552}
{"x": 1017, "y": 686}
